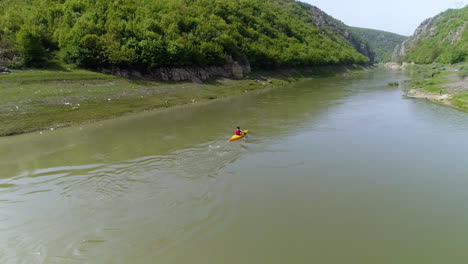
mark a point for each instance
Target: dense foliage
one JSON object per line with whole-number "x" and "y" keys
{"x": 382, "y": 43}
{"x": 155, "y": 33}
{"x": 443, "y": 39}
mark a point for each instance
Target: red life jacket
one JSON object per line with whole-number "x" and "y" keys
{"x": 238, "y": 132}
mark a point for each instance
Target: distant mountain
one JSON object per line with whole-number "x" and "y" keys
{"x": 381, "y": 42}
{"x": 443, "y": 39}
{"x": 149, "y": 34}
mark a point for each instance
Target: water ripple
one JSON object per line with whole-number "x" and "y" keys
{"x": 69, "y": 213}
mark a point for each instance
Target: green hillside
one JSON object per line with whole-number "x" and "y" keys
{"x": 442, "y": 39}
{"x": 381, "y": 42}
{"x": 147, "y": 34}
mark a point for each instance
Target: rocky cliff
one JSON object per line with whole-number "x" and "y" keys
{"x": 381, "y": 42}
{"x": 443, "y": 38}
{"x": 328, "y": 24}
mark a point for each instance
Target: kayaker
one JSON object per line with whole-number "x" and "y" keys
{"x": 239, "y": 131}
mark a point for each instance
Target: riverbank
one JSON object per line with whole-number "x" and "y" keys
{"x": 34, "y": 100}
{"x": 442, "y": 84}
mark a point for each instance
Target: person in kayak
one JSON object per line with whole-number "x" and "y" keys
{"x": 239, "y": 131}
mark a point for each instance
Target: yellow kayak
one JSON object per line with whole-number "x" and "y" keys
{"x": 236, "y": 137}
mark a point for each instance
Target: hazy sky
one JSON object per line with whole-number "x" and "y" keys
{"x": 398, "y": 16}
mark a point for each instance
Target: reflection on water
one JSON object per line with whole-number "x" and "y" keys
{"x": 336, "y": 170}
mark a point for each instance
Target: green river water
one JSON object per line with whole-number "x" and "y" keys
{"x": 335, "y": 170}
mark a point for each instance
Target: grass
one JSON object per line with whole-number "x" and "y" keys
{"x": 440, "y": 78}
{"x": 463, "y": 72}
{"x": 432, "y": 84}
{"x": 460, "y": 101}
{"x": 40, "y": 99}
{"x": 429, "y": 78}
{"x": 33, "y": 100}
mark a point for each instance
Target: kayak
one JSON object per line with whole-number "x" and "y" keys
{"x": 236, "y": 137}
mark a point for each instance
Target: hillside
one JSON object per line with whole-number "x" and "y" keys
{"x": 443, "y": 39}
{"x": 381, "y": 42}
{"x": 147, "y": 34}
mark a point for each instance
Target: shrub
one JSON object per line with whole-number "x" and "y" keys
{"x": 463, "y": 72}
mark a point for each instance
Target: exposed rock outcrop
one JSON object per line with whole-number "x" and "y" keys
{"x": 397, "y": 66}
{"x": 424, "y": 30}
{"x": 8, "y": 57}
{"x": 381, "y": 42}
{"x": 193, "y": 73}
{"x": 4, "y": 70}
{"x": 434, "y": 38}
{"x": 326, "y": 22}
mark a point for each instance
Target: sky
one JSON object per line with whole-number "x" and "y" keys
{"x": 397, "y": 16}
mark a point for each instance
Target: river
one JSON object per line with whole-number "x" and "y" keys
{"x": 335, "y": 170}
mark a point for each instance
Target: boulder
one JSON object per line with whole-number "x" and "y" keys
{"x": 4, "y": 70}
{"x": 237, "y": 70}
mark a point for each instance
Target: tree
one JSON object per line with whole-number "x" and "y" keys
{"x": 30, "y": 44}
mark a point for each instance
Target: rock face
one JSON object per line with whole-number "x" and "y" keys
{"x": 425, "y": 29}
{"x": 4, "y": 70}
{"x": 381, "y": 42}
{"x": 438, "y": 39}
{"x": 8, "y": 57}
{"x": 326, "y": 22}
{"x": 397, "y": 66}
{"x": 195, "y": 73}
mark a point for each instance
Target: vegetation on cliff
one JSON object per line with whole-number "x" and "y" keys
{"x": 441, "y": 39}
{"x": 381, "y": 42}
{"x": 147, "y": 34}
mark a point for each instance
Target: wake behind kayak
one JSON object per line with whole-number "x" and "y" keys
{"x": 236, "y": 137}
